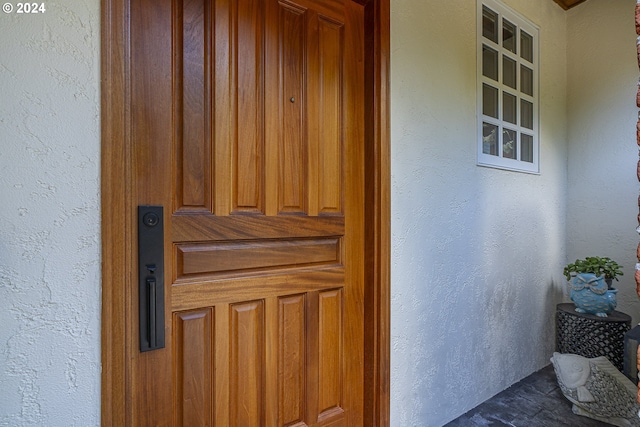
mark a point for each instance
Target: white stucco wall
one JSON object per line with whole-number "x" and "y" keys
{"x": 50, "y": 216}
{"x": 603, "y": 188}
{"x": 477, "y": 253}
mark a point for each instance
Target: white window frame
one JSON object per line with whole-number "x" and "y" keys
{"x": 498, "y": 160}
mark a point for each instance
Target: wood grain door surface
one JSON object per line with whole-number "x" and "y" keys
{"x": 247, "y": 125}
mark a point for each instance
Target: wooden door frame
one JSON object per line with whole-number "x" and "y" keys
{"x": 118, "y": 229}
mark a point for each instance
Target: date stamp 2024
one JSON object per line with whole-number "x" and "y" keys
{"x": 24, "y": 8}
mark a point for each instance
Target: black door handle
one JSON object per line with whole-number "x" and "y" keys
{"x": 151, "y": 276}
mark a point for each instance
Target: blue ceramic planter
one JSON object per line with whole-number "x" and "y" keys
{"x": 590, "y": 295}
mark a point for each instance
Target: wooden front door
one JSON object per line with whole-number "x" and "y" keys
{"x": 245, "y": 120}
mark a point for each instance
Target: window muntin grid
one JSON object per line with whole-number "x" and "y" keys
{"x": 507, "y": 89}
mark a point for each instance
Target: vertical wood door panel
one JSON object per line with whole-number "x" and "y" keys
{"x": 330, "y": 170}
{"x": 292, "y": 149}
{"x": 247, "y": 365}
{"x": 193, "y": 347}
{"x": 248, "y": 30}
{"x": 330, "y": 347}
{"x": 192, "y": 35}
{"x": 291, "y": 357}
{"x": 249, "y": 125}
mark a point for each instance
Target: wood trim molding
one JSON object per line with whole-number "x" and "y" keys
{"x": 117, "y": 227}
{"x": 378, "y": 220}
{"x": 568, "y": 4}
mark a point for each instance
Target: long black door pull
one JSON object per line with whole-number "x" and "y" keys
{"x": 151, "y": 276}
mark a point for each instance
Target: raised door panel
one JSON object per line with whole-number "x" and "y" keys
{"x": 292, "y": 144}
{"x": 246, "y": 364}
{"x": 292, "y": 360}
{"x": 330, "y": 368}
{"x": 325, "y": 128}
{"x": 193, "y": 368}
{"x": 329, "y": 116}
{"x": 192, "y": 31}
{"x": 247, "y": 88}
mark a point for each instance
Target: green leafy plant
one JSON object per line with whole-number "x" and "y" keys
{"x": 596, "y": 265}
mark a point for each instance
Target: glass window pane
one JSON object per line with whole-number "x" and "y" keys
{"x": 526, "y": 148}
{"x": 489, "y": 24}
{"x": 489, "y": 101}
{"x": 526, "y": 46}
{"x": 508, "y": 84}
{"x": 489, "y": 63}
{"x": 509, "y": 108}
{"x": 509, "y": 36}
{"x": 509, "y": 144}
{"x": 509, "y": 68}
{"x": 526, "y": 80}
{"x": 489, "y": 139}
{"x": 526, "y": 114}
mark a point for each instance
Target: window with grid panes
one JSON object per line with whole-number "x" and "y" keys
{"x": 507, "y": 89}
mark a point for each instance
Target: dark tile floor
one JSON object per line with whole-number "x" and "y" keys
{"x": 536, "y": 401}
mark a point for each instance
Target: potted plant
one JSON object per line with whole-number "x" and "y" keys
{"x": 591, "y": 287}
{"x": 595, "y": 265}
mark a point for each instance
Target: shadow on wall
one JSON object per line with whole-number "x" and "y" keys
{"x": 522, "y": 258}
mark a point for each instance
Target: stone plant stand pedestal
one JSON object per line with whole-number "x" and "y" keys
{"x": 591, "y": 336}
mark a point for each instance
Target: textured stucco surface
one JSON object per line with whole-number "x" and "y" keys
{"x": 49, "y": 216}
{"x": 477, "y": 253}
{"x": 603, "y": 188}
